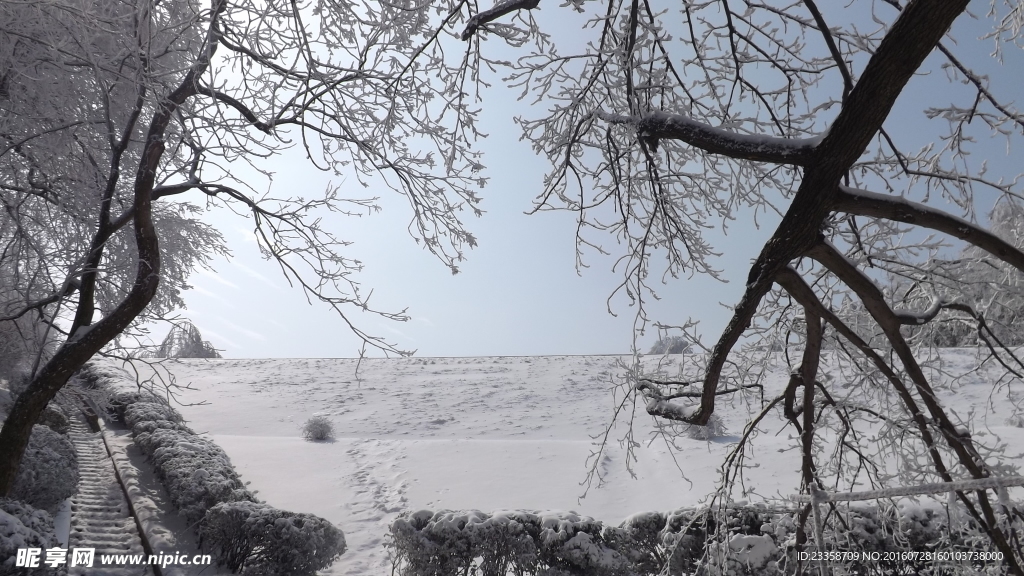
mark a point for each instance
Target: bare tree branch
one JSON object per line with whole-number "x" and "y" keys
{"x": 962, "y": 445}
{"x": 653, "y": 127}
{"x": 865, "y": 203}
{"x": 919, "y": 27}
{"x": 500, "y": 9}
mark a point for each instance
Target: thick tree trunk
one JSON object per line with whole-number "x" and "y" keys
{"x": 919, "y": 28}
{"x": 88, "y": 340}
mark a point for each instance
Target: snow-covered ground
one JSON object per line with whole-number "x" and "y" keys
{"x": 488, "y": 433}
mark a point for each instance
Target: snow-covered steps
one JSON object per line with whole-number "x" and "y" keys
{"x": 100, "y": 516}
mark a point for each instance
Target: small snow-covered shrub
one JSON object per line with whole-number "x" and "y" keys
{"x": 256, "y": 539}
{"x": 49, "y": 470}
{"x": 715, "y": 428}
{"x": 318, "y": 429}
{"x": 22, "y": 526}
{"x": 1016, "y": 420}
{"x": 55, "y": 419}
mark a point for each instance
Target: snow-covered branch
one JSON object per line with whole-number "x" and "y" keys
{"x": 652, "y": 127}
{"x": 865, "y": 203}
{"x": 481, "y": 19}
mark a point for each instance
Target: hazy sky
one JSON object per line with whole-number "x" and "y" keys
{"x": 517, "y": 294}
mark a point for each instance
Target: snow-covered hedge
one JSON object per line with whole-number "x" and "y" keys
{"x": 146, "y": 404}
{"x": 473, "y": 542}
{"x": 22, "y": 526}
{"x": 197, "y": 473}
{"x": 252, "y": 538}
{"x": 49, "y": 470}
{"x": 241, "y": 532}
{"x": 742, "y": 541}
{"x": 53, "y": 417}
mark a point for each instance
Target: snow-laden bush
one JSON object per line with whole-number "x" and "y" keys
{"x": 748, "y": 540}
{"x": 1016, "y": 420}
{"x": 22, "y": 526}
{"x": 49, "y": 470}
{"x": 256, "y": 539}
{"x": 473, "y": 542}
{"x": 120, "y": 402}
{"x": 318, "y": 429}
{"x": 715, "y": 428}
{"x": 147, "y": 411}
{"x": 55, "y": 419}
{"x": 196, "y": 472}
{"x": 670, "y": 345}
{"x": 448, "y": 542}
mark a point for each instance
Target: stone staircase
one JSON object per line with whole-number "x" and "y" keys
{"x": 100, "y": 515}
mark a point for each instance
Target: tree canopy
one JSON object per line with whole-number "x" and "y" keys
{"x": 120, "y": 121}
{"x": 663, "y": 120}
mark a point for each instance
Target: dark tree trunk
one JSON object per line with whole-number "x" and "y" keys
{"x": 88, "y": 340}
{"x": 914, "y": 35}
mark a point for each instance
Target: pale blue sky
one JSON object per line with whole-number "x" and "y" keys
{"x": 518, "y": 292}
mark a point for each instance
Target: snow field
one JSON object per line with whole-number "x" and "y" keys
{"x": 481, "y": 433}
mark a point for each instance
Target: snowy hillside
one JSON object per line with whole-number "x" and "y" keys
{"x": 487, "y": 433}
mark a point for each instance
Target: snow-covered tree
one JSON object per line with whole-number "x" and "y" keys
{"x": 123, "y": 121}
{"x": 670, "y": 345}
{"x": 184, "y": 341}
{"x": 868, "y": 128}
{"x": 659, "y": 120}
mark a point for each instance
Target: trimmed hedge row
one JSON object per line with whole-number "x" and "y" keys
{"x": 247, "y": 536}
{"x": 197, "y": 473}
{"x": 253, "y": 538}
{"x": 744, "y": 540}
{"x": 448, "y": 543}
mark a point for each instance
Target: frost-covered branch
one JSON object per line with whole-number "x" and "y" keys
{"x": 961, "y": 444}
{"x": 865, "y": 203}
{"x": 653, "y": 127}
{"x": 481, "y": 19}
{"x": 917, "y": 29}
{"x": 238, "y": 106}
